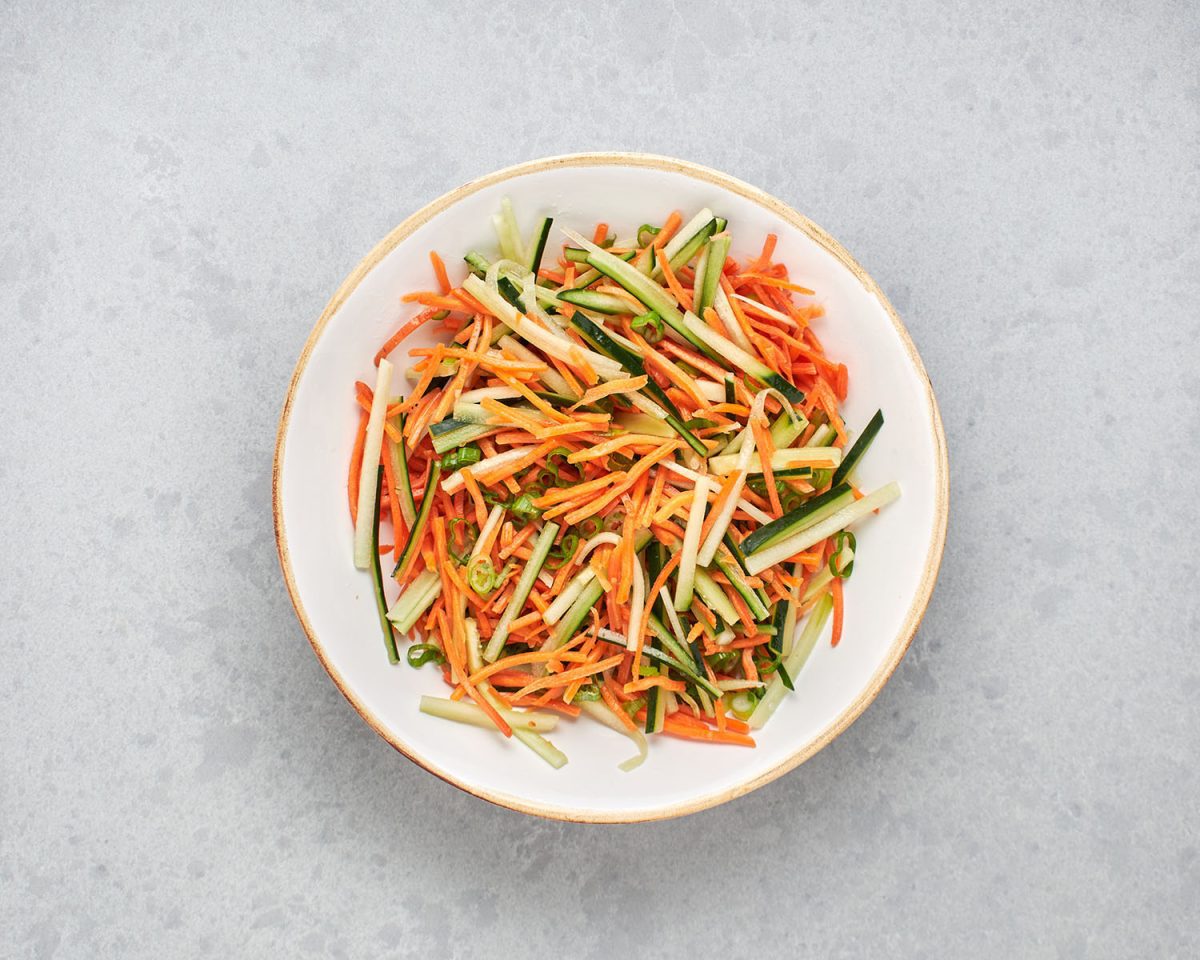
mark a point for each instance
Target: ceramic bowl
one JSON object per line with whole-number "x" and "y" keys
{"x": 899, "y": 550}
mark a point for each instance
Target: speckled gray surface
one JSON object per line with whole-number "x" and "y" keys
{"x": 183, "y": 189}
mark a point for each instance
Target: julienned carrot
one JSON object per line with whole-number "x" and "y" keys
{"x": 356, "y": 458}
{"x": 683, "y": 296}
{"x": 610, "y": 458}
{"x": 439, "y": 271}
{"x": 561, "y": 679}
{"x": 835, "y": 590}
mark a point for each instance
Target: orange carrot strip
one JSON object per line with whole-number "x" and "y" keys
{"x": 481, "y": 511}
{"x": 559, "y": 494}
{"x": 766, "y": 449}
{"x": 684, "y": 298}
{"x": 562, "y": 679}
{"x": 645, "y": 683}
{"x": 614, "y": 705}
{"x": 673, "y": 223}
{"x": 439, "y": 271}
{"x": 356, "y": 459}
{"x": 396, "y": 338}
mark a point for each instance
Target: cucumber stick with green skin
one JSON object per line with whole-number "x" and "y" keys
{"x": 805, "y": 515}
{"x": 417, "y": 533}
{"x": 708, "y": 278}
{"x": 576, "y": 614}
{"x": 389, "y": 635}
{"x": 860, "y": 447}
{"x": 541, "y": 550}
{"x": 592, "y": 300}
{"x": 633, "y": 364}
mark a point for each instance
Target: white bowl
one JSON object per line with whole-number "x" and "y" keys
{"x": 899, "y": 550}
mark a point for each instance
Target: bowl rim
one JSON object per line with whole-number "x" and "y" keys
{"x": 933, "y": 559}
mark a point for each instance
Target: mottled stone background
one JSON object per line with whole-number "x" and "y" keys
{"x": 183, "y": 187}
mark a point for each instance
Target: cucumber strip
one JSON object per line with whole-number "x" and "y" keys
{"x": 601, "y": 712}
{"x": 737, "y": 580}
{"x": 389, "y": 636}
{"x": 722, "y": 223}
{"x": 540, "y": 234}
{"x": 656, "y": 709}
{"x": 550, "y": 377}
{"x": 728, "y": 351}
{"x": 460, "y": 711}
{"x": 713, "y": 263}
{"x": 488, "y": 393}
{"x": 821, "y": 436}
{"x": 541, "y": 550}
{"x": 637, "y": 604}
{"x": 575, "y": 254}
{"x": 534, "y": 741}
{"x": 494, "y": 519}
{"x": 687, "y": 242}
{"x": 477, "y": 262}
{"x": 417, "y": 597}
{"x": 845, "y": 517}
{"x": 779, "y": 627}
{"x": 604, "y": 341}
{"x": 735, "y": 549}
{"x": 368, "y": 500}
{"x": 576, "y": 614}
{"x": 730, "y": 321}
{"x": 416, "y": 533}
{"x": 398, "y": 452}
{"x": 714, "y": 597}
{"x": 676, "y": 657}
{"x": 457, "y": 435}
{"x": 787, "y": 428}
{"x": 570, "y": 593}
{"x": 805, "y": 515}
{"x": 466, "y": 412}
{"x": 860, "y": 447}
{"x": 692, "y": 247}
{"x": 588, "y": 277}
{"x": 708, "y": 549}
{"x": 643, "y": 423}
{"x": 686, "y": 577}
{"x": 679, "y": 666}
{"x": 592, "y": 300}
{"x": 730, "y": 391}
{"x": 784, "y": 459}
{"x": 507, "y": 232}
{"x": 474, "y": 658}
{"x": 793, "y": 663}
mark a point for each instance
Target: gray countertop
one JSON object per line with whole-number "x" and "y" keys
{"x": 182, "y": 190}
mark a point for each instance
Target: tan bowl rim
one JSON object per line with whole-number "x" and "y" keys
{"x": 932, "y": 561}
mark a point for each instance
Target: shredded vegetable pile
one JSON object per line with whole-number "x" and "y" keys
{"x": 621, "y": 487}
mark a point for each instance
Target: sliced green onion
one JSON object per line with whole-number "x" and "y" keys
{"x": 481, "y": 575}
{"x": 420, "y": 654}
{"x": 837, "y": 566}
{"x": 649, "y": 325}
{"x": 462, "y": 457}
{"x": 523, "y": 509}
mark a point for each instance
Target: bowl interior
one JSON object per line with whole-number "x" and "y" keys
{"x": 899, "y": 550}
